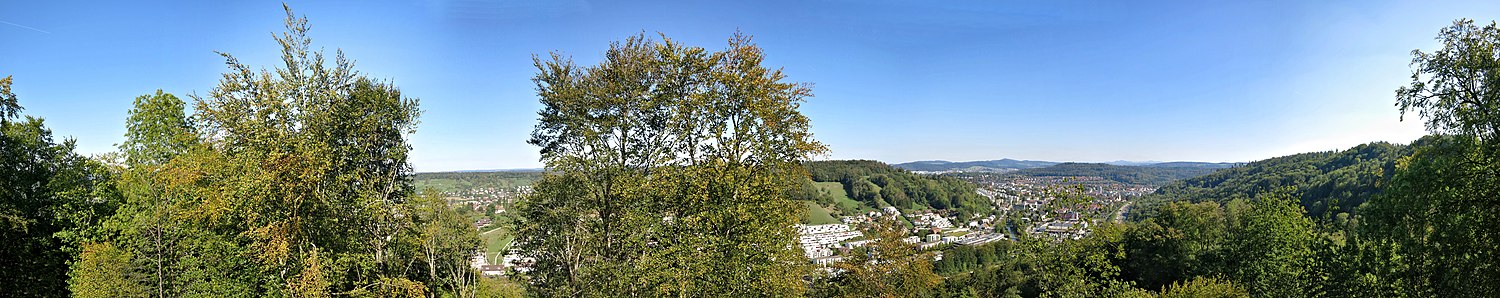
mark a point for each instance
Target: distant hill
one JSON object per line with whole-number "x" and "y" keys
{"x": 1327, "y": 183}
{"x": 875, "y": 185}
{"x": 490, "y": 171}
{"x": 1155, "y": 174}
{"x": 1131, "y": 163}
{"x": 1003, "y": 165}
{"x": 458, "y": 182}
{"x": 1011, "y": 165}
{"x": 1193, "y": 164}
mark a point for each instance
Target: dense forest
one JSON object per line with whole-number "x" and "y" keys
{"x": 1328, "y": 184}
{"x": 1146, "y": 175}
{"x": 879, "y": 185}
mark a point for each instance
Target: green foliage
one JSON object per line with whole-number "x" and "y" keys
{"x": 1002, "y": 165}
{"x": 1181, "y": 241}
{"x": 51, "y": 202}
{"x": 1439, "y": 220}
{"x": 1266, "y": 244}
{"x": 444, "y": 241}
{"x": 1204, "y": 287}
{"x": 460, "y": 182}
{"x": 670, "y": 170}
{"x": 1270, "y": 249}
{"x": 1031, "y": 267}
{"x": 499, "y": 288}
{"x": 886, "y": 267}
{"x": 157, "y": 130}
{"x": 816, "y": 215}
{"x": 1124, "y": 174}
{"x": 967, "y": 259}
{"x": 1450, "y": 88}
{"x": 877, "y": 185}
{"x": 1325, "y": 183}
{"x": 302, "y": 170}
{"x": 1437, "y": 223}
{"x": 103, "y": 271}
{"x": 291, "y": 182}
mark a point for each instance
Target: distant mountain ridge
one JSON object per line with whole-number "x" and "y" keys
{"x": 1010, "y": 165}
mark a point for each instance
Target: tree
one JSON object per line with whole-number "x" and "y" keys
{"x": 51, "y": 201}
{"x": 1204, "y": 287}
{"x": 289, "y": 182}
{"x": 1439, "y": 215}
{"x": 885, "y": 267}
{"x": 1270, "y": 248}
{"x": 157, "y": 131}
{"x": 669, "y": 173}
{"x": 1182, "y": 240}
{"x": 445, "y": 241}
{"x": 307, "y": 168}
{"x": 102, "y": 271}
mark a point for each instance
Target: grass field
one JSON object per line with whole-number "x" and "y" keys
{"x": 841, "y": 199}
{"x": 495, "y": 240}
{"x": 817, "y": 215}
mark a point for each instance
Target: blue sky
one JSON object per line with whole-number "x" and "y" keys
{"x": 895, "y": 81}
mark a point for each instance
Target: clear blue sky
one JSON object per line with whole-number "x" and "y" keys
{"x": 895, "y": 81}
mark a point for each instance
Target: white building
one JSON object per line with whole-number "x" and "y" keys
{"x": 818, "y": 241}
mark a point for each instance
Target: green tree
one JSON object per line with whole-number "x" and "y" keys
{"x": 445, "y": 242}
{"x": 146, "y": 224}
{"x": 285, "y": 182}
{"x": 102, "y": 271}
{"x": 669, "y": 173}
{"x": 1204, "y": 287}
{"x": 1270, "y": 248}
{"x": 51, "y": 202}
{"x": 1439, "y": 214}
{"x": 885, "y": 267}
{"x": 1182, "y": 240}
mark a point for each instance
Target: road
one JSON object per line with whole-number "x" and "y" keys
{"x": 1119, "y": 217}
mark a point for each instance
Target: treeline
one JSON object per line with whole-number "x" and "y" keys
{"x": 1147, "y": 175}
{"x": 1263, "y": 246}
{"x": 879, "y": 185}
{"x": 449, "y": 182}
{"x": 288, "y": 182}
{"x": 1330, "y": 185}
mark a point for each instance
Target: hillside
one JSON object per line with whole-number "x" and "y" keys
{"x": 1148, "y": 175}
{"x": 876, "y": 185}
{"x": 1327, "y": 183}
{"x": 469, "y": 181}
{"x": 1003, "y": 165}
{"x": 1194, "y": 164}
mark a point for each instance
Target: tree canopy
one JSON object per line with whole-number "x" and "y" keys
{"x": 668, "y": 173}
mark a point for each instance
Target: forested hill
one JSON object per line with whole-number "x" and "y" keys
{"x": 1003, "y": 165}
{"x": 877, "y": 184}
{"x": 1150, "y": 174}
{"x": 1331, "y": 182}
{"x": 457, "y": 182}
